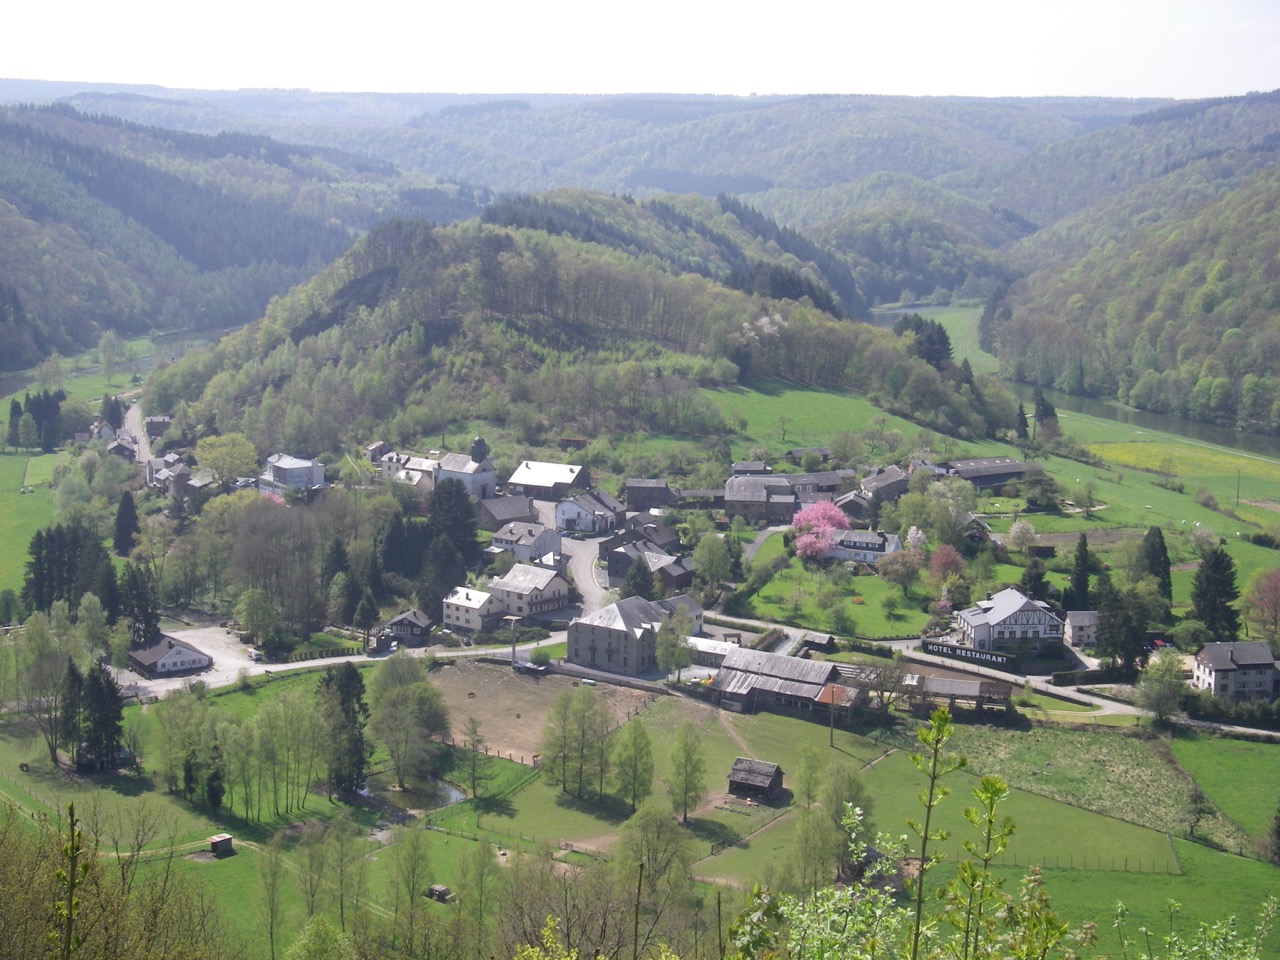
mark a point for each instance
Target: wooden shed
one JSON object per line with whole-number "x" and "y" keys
{"x": 220, "y": 844}
{"x": 755, "y": 778}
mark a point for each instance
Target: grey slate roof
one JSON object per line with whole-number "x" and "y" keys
{"x": 755, "y": 773}
{"x": 747, "y": 670}
{"x": 1248, "y": 654}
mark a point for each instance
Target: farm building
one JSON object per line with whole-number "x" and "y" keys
{"x": 751, "y": 680}
{"x": 755, "y": 778}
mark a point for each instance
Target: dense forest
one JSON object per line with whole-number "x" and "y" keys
{"x": 1124, "y": 248}
{"x": 418, "y": 329}
{"x": 106, "y": 224}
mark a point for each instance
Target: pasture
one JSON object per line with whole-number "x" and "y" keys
{"x": 1095, "y": 810}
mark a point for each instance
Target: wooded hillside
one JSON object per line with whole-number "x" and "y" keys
{"x": 418, "y": 328}
{"x": 107, "y": 224}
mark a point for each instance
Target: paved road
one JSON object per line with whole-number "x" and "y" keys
{"x": 582, "y": 560}
{"x": 231, "y": 660}
{"x": 133, "y": 423}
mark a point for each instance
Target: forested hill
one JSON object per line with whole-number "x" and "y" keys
{"x": 105, "y": 223}
{"x": 532, "y": 335}
{"x": 1178, "y": 313}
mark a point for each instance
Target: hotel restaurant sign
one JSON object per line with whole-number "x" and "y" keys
{"x": 989, "y": 658}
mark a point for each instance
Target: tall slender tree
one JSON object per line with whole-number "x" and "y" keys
{"x": 1080, "y": 575}
{"x": 688, "y": 779}
{"x": 127, "y": 527}
{"x": 1213, "y": 591}
{"x": 1155, "y": 560}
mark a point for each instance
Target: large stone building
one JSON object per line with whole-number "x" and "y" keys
{"x": 623, "y": 637}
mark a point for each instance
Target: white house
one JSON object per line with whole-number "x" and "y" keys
{"x": 470, "y": 610}
{"x": 865, "y": 546}
{"x": 285, "y": 472}
{"x": 526, "y": 589}
{"x": 1009, "y": 621}
{"x": 591, "y": 512}
{"x": 168, "y": 655}
{"x": 526, "y": 541}
{"x": 1236, "y": 671}
{"x": 1082, "y": 628}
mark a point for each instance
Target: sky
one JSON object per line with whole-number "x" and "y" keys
{"x": 1122, "y": 48}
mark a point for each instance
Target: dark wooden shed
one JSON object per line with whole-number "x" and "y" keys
{"x": 755, "y": 778}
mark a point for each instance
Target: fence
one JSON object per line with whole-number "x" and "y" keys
{"x": 718, "y": 846}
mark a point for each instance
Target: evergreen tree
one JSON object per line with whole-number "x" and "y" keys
{"x": 1121, "y": 634}
{"x": 1020, "y": 423}
{"x": 451, "y": 514}
{"x": 1155, "y": 561}
{"x": 73, "y": 693}
{"x": 1275, "y": 838}
{"x": 1080, "y": 576}
{"x": 341, "y": 706}
{"x": 687, "y": 784}
{"x": 127, "y": 526}
{"x": 394, "y": 546}
{"x": 639, "y": 581}
{"x": 1213, "y": 591}
{"x": 633, "y": 764}
{"x": 13, "y": 438}
{"x": 138, "y": 604}
{"x": 335, "y": 560}
{"x": 442, "y": 569}
{"x": 1033, "y": 582}
{"x": 103, "y": 725}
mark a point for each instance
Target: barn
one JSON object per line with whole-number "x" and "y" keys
{"x": 755, "y": 778}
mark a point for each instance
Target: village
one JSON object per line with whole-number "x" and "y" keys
{"x": 564, "y": 555}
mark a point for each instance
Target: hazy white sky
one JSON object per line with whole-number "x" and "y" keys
{"x": 1129, "y": 48}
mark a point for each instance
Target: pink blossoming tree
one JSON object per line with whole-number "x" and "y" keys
{"x": 818, "y": 527}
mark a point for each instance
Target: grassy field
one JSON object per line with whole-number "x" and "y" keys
{"x": 1089, "y": 806}
{"x": 1242, "y": 779}
{"x": 961, "y": 324}
{"x": 21, "y": 515}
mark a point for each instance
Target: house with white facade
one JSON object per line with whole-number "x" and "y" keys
{"x": 470, "y": 610}
{"x": 526, "y": 589}
{"x": 865, "y": 546}
{"x": 285, "y": 473}
{"x": 1081, "y": 628}
{"x": 1236, "y": 671}
{"x": 526, "y": 541}
{"x": 168, "y": 656}
{"x": 591, "y": 512}
{"x": 1009, "y": 622}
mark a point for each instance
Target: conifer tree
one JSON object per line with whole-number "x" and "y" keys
{"x": 1155, "y": 560}
{"x": 1080, "y": 575}
{"x": 1213, "y": 591}
{"x": 127, "y": 525}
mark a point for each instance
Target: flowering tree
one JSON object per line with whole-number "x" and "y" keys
{"x": 817, "y": 528}
{"x": 916, "y": 538}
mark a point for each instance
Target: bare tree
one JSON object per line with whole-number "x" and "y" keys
{"x": 270, "y": 875}
{"x": 412, "y": 869}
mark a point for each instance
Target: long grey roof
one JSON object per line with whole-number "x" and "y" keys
{"x": 1231, "y": 656}
{"x": 747, "y": 670}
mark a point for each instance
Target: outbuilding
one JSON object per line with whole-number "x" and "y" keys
{"x": 755, "y": 778}
{"x": 220, "y": 844}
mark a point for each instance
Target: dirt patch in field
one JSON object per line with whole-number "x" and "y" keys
{"x": 512, "y": 708}
{"x": 1265, "y": 504}
{"x": 1101, "y": 535}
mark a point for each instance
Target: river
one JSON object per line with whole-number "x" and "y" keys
{"x": 1258, "y": 443}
